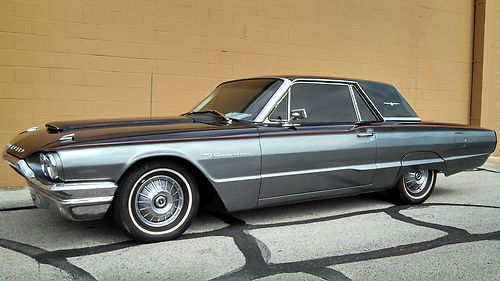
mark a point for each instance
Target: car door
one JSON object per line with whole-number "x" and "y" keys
{"x": 322, "y": 153}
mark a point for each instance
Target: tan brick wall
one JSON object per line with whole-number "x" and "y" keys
{"x": 493, "y": 69}
{"x": 67, "y": 59}
{"x": 485, "y": 98}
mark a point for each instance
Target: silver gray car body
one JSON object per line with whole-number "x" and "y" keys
{"x": 247, "y": 164}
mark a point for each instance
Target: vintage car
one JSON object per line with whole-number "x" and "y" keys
{"x": 251, "y": 143}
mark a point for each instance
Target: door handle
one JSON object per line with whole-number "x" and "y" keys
{"x": 365, "y": 133}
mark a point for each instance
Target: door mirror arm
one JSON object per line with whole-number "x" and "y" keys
{"x": 289, "y": 124}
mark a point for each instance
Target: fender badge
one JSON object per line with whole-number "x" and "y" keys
{"x": 225, "y": 155}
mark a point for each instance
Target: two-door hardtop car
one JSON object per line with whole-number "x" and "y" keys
{"x": 251, "y": 143}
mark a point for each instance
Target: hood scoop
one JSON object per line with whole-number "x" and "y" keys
{"x": 62, "y": 126}
{"x": 53, "y": 128}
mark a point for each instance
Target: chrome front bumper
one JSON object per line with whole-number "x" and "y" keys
{"x": 74, "y": 200}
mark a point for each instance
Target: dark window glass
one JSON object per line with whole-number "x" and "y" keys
{"x": 323, "y": 103}
{"x": 280, "y": 112}
{"x": 387, "y": 99}
{"x": 364, "y": 110}
{"x": 242, "y": 99}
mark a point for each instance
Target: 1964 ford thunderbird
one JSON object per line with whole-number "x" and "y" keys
{"x": 251, "y": 143}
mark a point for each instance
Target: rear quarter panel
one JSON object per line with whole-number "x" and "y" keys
{"x": 448, "y": 148}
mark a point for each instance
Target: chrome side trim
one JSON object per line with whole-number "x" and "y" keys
{"x": 422, "y": 162}
{"x": 246, "y": 178}
{"x": 402, "y": 119}
{"x": 465, "y": 156}
{"x": 386, "y": 165}
{"x": 83, "y": 186}
{"x": 363, "y": 167}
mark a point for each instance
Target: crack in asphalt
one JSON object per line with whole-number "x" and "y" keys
{"x": 18, "y": 208}
{"x": 92, "y": 250}
{"x": 486, "y": 170}
{"x": 37, "y": 254}
{"x": 328, "y": 274}
{"x": 320, "y": 265}
{"x": 257, "y": 254}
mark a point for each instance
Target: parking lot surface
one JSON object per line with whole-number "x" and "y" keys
{"x": 454, "y": 235}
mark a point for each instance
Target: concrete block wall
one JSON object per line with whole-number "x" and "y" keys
{"x": 492, "y": 117}
{"x": 485, "y": 94}
{"x": 73, "y": 59}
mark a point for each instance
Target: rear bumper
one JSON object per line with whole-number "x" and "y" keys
{"x": 84, "y": 200}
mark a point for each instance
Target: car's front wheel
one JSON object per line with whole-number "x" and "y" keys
{"x": 414, "y": 187}
{"x": 157, "y": 201}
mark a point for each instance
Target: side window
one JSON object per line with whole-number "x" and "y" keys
{"x": 322, "y": 103}
{"x": 364, "y": 110}
{"x": 280, "y": 113}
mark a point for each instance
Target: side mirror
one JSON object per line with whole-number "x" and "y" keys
{"x": 295, "y": 116}
{"x": 298, "y": 113}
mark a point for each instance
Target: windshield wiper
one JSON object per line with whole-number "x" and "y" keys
{"x": 213, "y": 111}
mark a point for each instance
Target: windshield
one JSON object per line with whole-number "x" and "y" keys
{"x": 242, "y": 99}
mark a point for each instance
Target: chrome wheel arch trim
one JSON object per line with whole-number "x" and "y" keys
{"x": 164, "y": 153}
{"x": 137, "y": 183}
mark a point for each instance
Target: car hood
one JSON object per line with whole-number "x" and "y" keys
{"x": 79, "y": 133}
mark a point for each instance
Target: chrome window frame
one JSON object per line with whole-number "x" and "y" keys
{"x": 287, "y": 96}
{"x": 273, "y": 102}
{"x": 355, "y": 103}
{"x": 356, "y": 88}
{"x": 263, "y": 116}
{"x": 270, "y": 107}
{"x": 390, "y": 118}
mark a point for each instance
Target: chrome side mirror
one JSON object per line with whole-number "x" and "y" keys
{"x": 295, "y": 116}
{"x": 298, "y": 113}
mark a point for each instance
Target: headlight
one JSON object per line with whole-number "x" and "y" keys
{"x": 49, "y": 166}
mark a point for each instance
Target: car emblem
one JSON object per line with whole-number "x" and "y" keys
{"x": 391, "y": 103}
{"x": 225, "y": 155}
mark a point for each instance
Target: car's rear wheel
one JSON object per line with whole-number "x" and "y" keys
{"x": 157, "y": 201}
{"x": 414, "y": 187}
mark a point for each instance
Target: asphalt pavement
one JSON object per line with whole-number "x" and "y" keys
{"x": 454, "y": 235}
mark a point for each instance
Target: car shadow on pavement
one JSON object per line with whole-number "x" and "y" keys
{"x": 53, "y": 240}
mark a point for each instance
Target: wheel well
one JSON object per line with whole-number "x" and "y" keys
{"x": 209, "y": 198}
{"x": 424, "y": 160}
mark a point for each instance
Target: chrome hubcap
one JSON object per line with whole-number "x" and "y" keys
{"x": 416, "y": 181}
{"x": 159, "y": 201}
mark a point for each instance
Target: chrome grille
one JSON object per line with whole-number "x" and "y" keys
{"x": 15, "y": 148}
